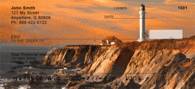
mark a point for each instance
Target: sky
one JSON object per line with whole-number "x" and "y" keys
{"x": 82, "y": 21}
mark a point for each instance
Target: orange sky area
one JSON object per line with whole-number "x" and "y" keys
{"x": 82, "y": 21}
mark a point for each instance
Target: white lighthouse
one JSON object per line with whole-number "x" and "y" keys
{"x": 142, "y": 30}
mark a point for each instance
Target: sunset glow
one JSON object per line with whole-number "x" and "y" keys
{"x": 85, "y": 19}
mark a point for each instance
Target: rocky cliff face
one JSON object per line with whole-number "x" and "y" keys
{"x": 159, "y": 64}
{"x": 73, "y": 56}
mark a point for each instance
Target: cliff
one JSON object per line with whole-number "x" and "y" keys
{"x": 157, "y": 64}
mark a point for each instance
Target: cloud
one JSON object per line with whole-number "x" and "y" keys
{"x": 84, "y": 19}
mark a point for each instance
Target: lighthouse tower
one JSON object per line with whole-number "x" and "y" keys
{"x": 142, "y": 29}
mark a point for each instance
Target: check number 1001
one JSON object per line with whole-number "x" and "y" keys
{"x": 182, "y": 7}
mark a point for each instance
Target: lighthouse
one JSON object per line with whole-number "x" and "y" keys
{"x": 142, "y": 29}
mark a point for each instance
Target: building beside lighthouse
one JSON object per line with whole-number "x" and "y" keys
{"x": 165, "y": 34}
{"x": 142, "y": 28}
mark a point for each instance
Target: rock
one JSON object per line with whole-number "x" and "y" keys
{"x": 78, "y": 56}
{"x": 156, "y": 64}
